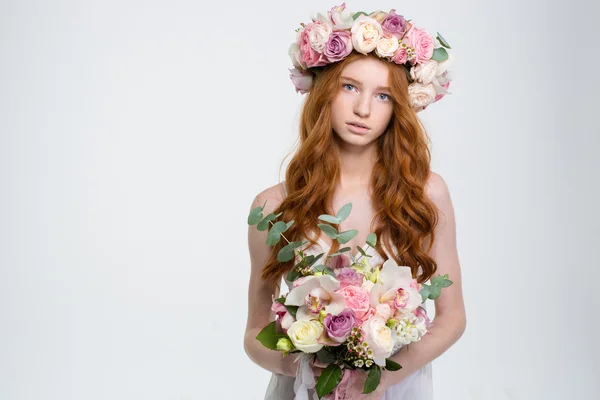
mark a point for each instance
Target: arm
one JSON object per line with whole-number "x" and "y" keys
{"x": 450, "y": 317}
{"x": 260, "y": 298}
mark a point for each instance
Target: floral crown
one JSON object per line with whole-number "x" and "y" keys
{"x": 331, "y": 38}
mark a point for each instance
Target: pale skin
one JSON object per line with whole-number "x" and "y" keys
{"x": 362, "y": 98}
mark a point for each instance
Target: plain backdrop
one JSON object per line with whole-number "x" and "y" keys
{"x": 134, "y": 136}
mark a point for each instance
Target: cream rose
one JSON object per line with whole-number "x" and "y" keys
{"x": 424, "y": 72}
{"x": 421, "y": 95}
{"x": 319, "y": 35}
{"x": 366, "y": 33}
{"x": 304, "y": 335}
{"x": 387, "y": 46}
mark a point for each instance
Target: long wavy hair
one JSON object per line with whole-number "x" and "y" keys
{"x": 405, "y": 217}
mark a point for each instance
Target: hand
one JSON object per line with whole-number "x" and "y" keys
{"x": 317, "y": 367}
{"x": 356, "y": 390}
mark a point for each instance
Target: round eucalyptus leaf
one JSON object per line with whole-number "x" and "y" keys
{"x": 343, "y": 212}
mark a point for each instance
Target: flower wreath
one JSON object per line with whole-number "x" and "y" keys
{"x": 329, "y": 39}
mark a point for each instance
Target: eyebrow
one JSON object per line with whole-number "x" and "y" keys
{"x": 360, "y": 83}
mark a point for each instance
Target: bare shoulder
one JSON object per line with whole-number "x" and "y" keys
{"x": 436, "y": 188}
{"x": 270, "y": 197}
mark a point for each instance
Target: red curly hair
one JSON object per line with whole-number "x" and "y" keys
{"x": 405, "y": 216}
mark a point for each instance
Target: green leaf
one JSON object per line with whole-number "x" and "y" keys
{"x": 329, "y": 230}
{"x": 287, "y": 252}
{"x": 269, "y": 336}
{"x": 288, "y": 225}
{"x": 326, "y": 356}
{"x": 372, "y": 239}
{"x": 314, "y": 259}
{"x": 292, "y": 275}
{"x": 425, "y": 292}
{"x": 319, "y": 268}
{"x": 329, "y": 271}
{"x": 292, "y": 309}
{"x": 341, "y": 251}
{"x": 443, "y": 41}
{"x": 355, "y": 16}
{"x": 328, "y": 380}
{"x": 372, "y": 379}
{"x": 280, "y": 300}
{"x": 360, "y": 249}
{"x": 392, "y": 365}
{"x": 343, "y": 212}
{"x": 275, "y": 233}
{"x": 264, "y": 224}
{"x": 440, "y": 54}
{"x": 344, "y": 237}
{"x": 255, "y": 215}
{"x": 329, "y": 218}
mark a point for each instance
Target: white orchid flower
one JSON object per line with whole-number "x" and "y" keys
{"x": 314, "y": 295}
{"x": 396, "y": 287}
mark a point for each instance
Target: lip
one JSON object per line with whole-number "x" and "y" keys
{"x": 357, "y": 127}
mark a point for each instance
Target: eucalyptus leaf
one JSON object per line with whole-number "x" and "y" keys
{"x": 329, "y": 218}
{"x": 288, "y": 225}
{"x": 287, "y": 252}
{"x": 269, "y": 336}
{"x": 328, "y": 380}
{"x": 341, "y": 251}
{"x": 443, "y": 41}
{"x": 440, "y": 54}
{"x": 274, "y": 236}
{"x": 329, "y": 230}
{"x": 373, "y": 379}
{"x": 346, "y": 236}
{"x": 255, "y": 215}
{"x": 329, "y": 271}
{"x": 372, "y": 239}
{"x": 343, "y": 212}
{"x": 425, "y": 292}
{"x": 360, "y": 249}
{"x": 264, "y": 224}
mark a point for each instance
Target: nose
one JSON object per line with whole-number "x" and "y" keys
{"x": 362, "y": 106}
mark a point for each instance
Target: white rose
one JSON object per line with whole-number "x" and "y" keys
{"x": 379, "y": 339}
{"x": 304, "y": 335}
{"x": 366, "y": 33}
{"x": 387, "y": 46}
{"x": 421, "y": 95}
{"x": 424, "y": 72}
{"x": 341, "y": 17}
{"x": 319, "y": 35}
{"x": 410, "y": 329}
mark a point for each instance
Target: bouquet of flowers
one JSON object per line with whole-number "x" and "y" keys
{"x": 349, "y": 318}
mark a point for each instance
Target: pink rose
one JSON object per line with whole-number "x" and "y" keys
{"x": 401, "y": 55}
{"x": 302, "y": 80}
{"x": 309, "y": 55}
{"x": 422, "y": 42}
{"x": 358, "y": 299}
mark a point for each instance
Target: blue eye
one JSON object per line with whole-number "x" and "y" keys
{"x": 345, "y": 85}
{"x": 386, "y": 96}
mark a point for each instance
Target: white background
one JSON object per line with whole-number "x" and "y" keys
{"x": 135, "y": 134}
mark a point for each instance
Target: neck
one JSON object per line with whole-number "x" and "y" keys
{"x": 356, "y": 165}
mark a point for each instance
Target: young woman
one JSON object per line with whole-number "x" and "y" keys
{"x": 361, "y": 142}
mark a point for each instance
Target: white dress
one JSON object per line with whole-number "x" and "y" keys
{"x": 417, "y": 386}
